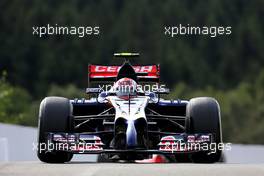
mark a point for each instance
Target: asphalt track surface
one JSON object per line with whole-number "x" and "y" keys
{"x": 128, "y": 169}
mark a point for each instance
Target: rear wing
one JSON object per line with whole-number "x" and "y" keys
{"x": 102, "y": 73}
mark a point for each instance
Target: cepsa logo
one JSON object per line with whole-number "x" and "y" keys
{"x": 115, "y": 69}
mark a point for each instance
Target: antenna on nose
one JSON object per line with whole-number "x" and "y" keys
{"x": 126, "y": 56}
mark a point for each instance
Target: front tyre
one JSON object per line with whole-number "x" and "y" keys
{"x": 55, "y": 115}
{"x": 203, "y": 116}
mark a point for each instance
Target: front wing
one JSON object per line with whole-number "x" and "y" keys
{"x": 87, "y": 143}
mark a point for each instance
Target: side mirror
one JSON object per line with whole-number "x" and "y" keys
{"x": 162, "y": 91}
{"x": 93, "y": 90}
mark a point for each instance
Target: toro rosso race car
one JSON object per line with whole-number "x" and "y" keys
{"x": 126, "y": 122}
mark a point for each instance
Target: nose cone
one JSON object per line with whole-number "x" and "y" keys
{"x": 131, "y": 134}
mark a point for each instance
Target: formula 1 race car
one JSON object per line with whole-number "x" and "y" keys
{"x": 128, "y": 122}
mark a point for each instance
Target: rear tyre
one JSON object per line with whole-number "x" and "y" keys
{"x": 203, "y": 116}
{"x": 55, "y": 115}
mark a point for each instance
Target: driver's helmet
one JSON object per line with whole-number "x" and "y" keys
{"x": 125, "y": 88}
